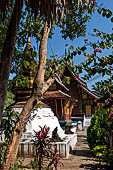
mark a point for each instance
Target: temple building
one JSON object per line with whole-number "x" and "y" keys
{"x": 65, "y": 100}
{"x": 58, "y": 99}
{"x": 87, "y": 100}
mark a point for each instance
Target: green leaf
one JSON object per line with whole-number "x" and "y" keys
{"x": 112, "y": 19}
{"x": 83, "y": 48}
{"x": 66, "y": 45}
{"x": 99, "y": 11}
{"x": 104, "y": 13}
{"x": 79, "y": 52}
{"x": 112, "y": 37}
{"x": 74, "y": 53}
{"x": 71, "y": 47}
{"x": 109, "y": 14}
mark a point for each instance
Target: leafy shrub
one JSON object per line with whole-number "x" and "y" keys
{"x": 98, "y": 136}
{"x": 104, "y": 154}
{"x": 100, "y": 151}
{"x": 98, "y": 131}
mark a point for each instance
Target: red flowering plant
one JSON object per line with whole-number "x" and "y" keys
{"x": 55, "y": 159}
{"x": 99, "y": 104}
{"x": 77, "y": 76}
{"x": 45, "y": 149}
{"x": 85, "y": 40}
{"x": 97, "y": 50}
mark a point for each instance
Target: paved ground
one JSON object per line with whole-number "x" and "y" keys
{"x": 81, "y": 157}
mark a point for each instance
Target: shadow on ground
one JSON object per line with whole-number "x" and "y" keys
{"x": 95, "y": 167}
{"x": 85, "y": 153}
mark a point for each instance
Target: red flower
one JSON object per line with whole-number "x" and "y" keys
{"x": 37, "y": 133}
{"x": 85, "y": 40}
{"x": 98, "y": 50}
{"x": 97, "y": 34}
{"x": 94, "y": 2}
{"x": 77, "y": 76}
{"x": 91, "y": 68}
{"x": 99, "y": 104}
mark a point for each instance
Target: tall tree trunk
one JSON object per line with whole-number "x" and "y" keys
{"x": 7, "y": 52}
{"x": 39, "y": 80}
{"x": 38, "y": 91}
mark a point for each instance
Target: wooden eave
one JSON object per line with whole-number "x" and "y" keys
{"x": 57, "y": 95}
{"x": 78, "y": 80}
{"x": 94, "y": 95}
{"x": 58, "y": 80}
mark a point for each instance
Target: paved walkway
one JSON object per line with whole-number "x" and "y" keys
{"x": 81, "y": 157}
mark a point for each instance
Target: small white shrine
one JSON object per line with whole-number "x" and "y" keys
{"x": 45, "y": 117}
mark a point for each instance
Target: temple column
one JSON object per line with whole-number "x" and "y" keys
{"x": 56, "y": 106}
{"x": 62, "y": 109}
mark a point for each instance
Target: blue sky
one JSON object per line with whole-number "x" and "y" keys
{"x": 101, "y": 23}
{"x": 57, "y": 44}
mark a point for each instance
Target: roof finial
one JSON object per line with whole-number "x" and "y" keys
{"x": 28, "y": 46}
{"x": 28, "y": 40}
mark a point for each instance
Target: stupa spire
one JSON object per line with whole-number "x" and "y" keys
{"x": 28, "y": 72}
{"x": 28, "y": 45}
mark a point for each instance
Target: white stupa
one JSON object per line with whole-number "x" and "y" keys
{"x": 44, "y": 117}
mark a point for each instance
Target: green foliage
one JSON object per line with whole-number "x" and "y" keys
{"x": 27, "y": 66}
{"x": 66, "y": 80}
{"x": 8, "y": 123}
{"x": 104, "y": 154}
{"x": 34, "y": 165}
{"x": 55, "y": 63}
{"x": 33, "y": 27}
{"x": 74, "y": 23}
{"x": 28, "y": 27}
{"x": 105, "y": 12}
{"x": 98, "y": 136}
{"x": 95, "y": 62}
{"x": 98, "y": 131}
{"x": 21, "y": 81}
{"x": 7, "y": 126}
{"x": 100, "y": 151}
{"x": 9, "y": 98}
{"x": 17, "y": 165}
{"x": 104, "y": 88}
{"x": 4, "y": 27}
{"x": 3, "y": 149}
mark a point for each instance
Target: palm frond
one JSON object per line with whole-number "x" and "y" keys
{"x": 86, "y": 2}
{"x": 51, "y": 9}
